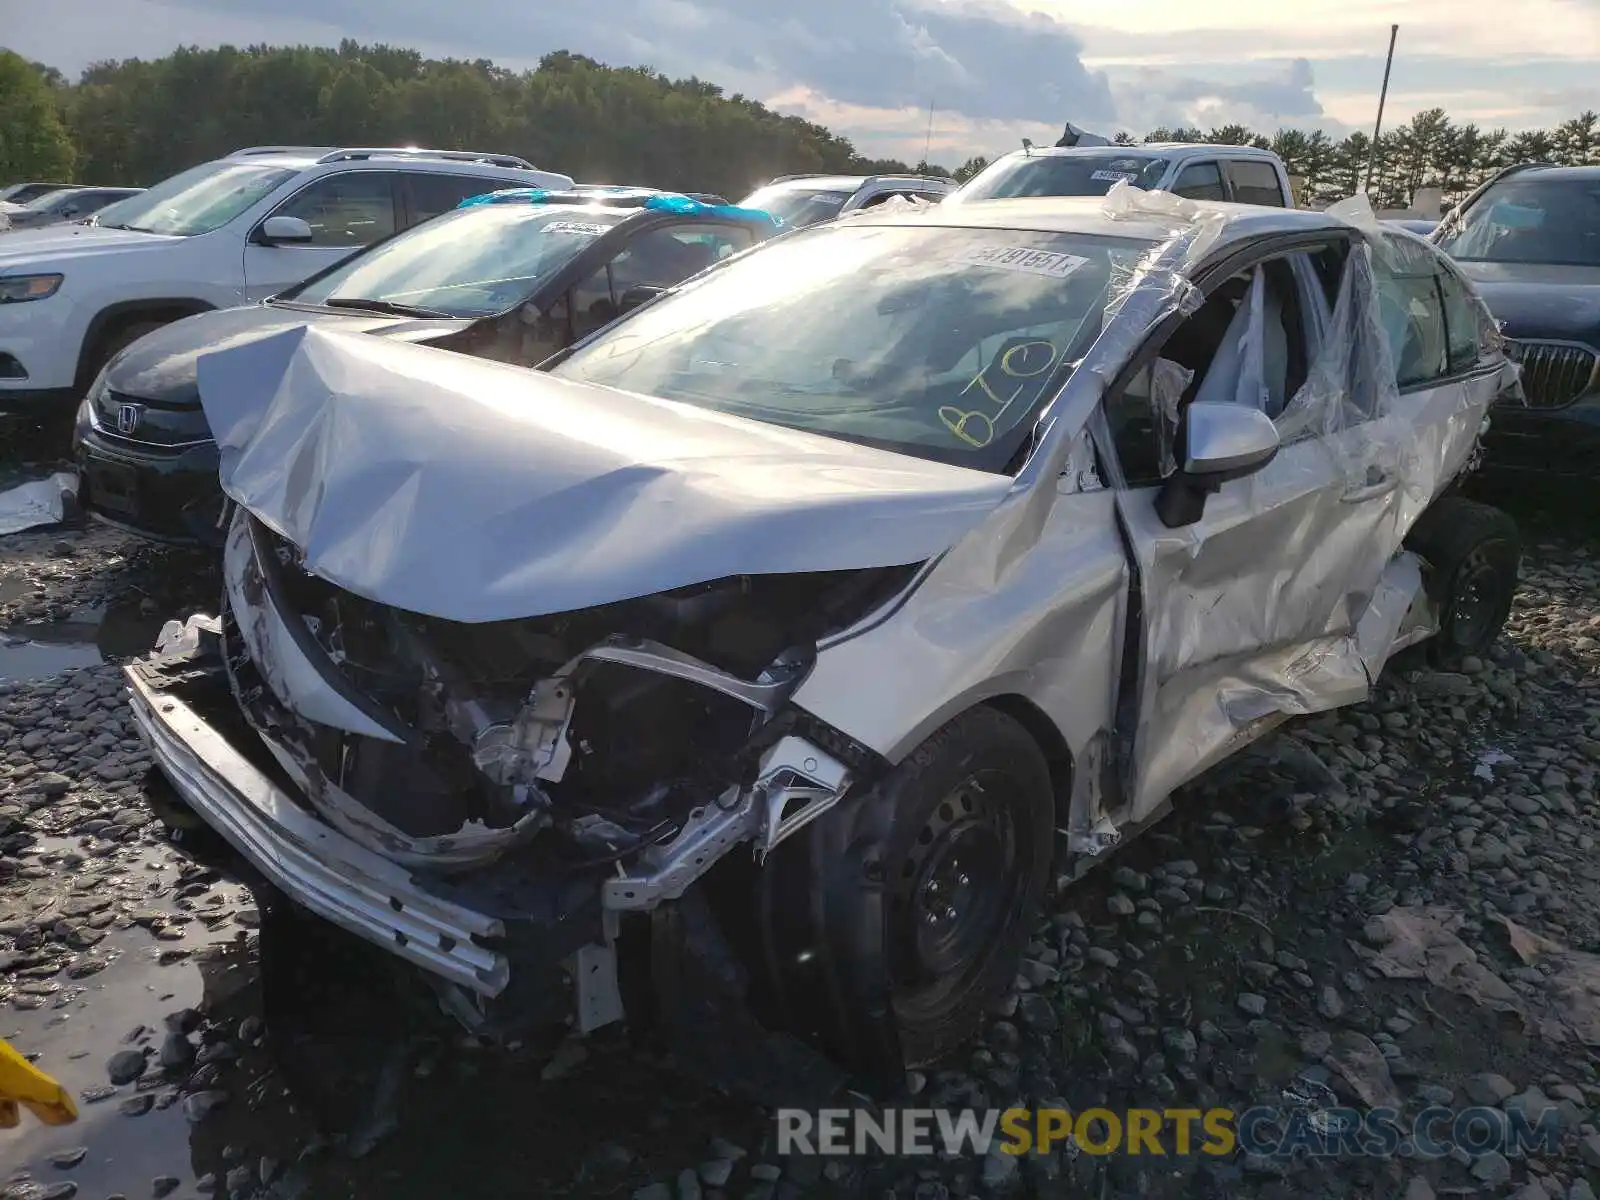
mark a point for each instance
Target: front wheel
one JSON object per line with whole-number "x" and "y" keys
{"x": 1473, "y": 551}
{"x": 916, "y": 898}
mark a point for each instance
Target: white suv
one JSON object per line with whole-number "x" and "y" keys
{"x": 228, "y": 232}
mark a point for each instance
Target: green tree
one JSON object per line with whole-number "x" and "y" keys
{"x": 34, "y": 144}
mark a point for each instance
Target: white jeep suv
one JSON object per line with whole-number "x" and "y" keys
{"x": 227, "y": 232}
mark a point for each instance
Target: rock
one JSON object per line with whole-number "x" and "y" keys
{"x": 241, "y": 1180}
{"x": 1418, "y": 1189}
{"x": 653, "y": 1191}
{"x": 766, "y": 1173}
{"x": 1589, "y": 1151}
{"x": 1251, "y": 1004}
{"x": 688, "y": 1186}
{"x": 1119, "y": 905}
{"x": 1580, "y": 1190}
{"x": 1492, "y": 1169}
{"x": 716, "y": 1172}
{"x": 1489, "y": 1089}
{"x": 1038, "y": 1013}
{"x": 52, "y": 784}
{"x": 200, "y": 1105}
{"x": 164, "y": 1185}
{"x": 1000, "y": 1170}
{"x": 1329, "y": 1003}
{"x": 125, "y": 1066}
{"x": 177, "y": 1052}
{"x": 137, "y": 1106}
{"x": 1532, "y": 1190}
{"x": 65, "y": 1160}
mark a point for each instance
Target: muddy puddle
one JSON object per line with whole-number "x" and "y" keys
{"x": 105, "y": 633}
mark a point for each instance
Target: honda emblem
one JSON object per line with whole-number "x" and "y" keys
{"x": 128, "y": 418}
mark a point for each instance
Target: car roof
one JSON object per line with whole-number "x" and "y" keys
{"x": 1544, "y": 172}
{"x": 303, "y": 157}
{"x": 1178, "y": 150}
{"x": 1088, "y": 215}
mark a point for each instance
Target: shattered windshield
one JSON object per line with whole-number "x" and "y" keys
{"x": 937, "y": 342}
{"x": 1531, "y": 220}
{"x": 472, "y": 262}
{"x": 1064, "y": 175}
{"x": 196, "y": 201}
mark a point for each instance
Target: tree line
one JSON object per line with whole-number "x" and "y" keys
{"x": 135, "y": 122}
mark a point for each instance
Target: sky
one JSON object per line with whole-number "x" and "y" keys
{"x": 988, "y": 72}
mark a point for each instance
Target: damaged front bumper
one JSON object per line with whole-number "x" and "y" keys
{"x": 328, "y": 873}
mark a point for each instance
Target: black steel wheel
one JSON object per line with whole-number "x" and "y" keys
{"x": 1472, "y": 551}
{"x": 891, "y": 924}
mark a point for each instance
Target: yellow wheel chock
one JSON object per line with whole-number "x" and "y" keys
{"x": 23, "y": 1084}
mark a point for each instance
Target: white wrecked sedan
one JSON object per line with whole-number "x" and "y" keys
{"x": 788, "y": 639}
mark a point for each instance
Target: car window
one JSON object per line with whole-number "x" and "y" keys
{"x": 1200, "y": 181}
{"x": 798, "y": 206}
{"x": 196, "y": 201}
{"x": 355, "y": 208}
{"x": 659, "y": 258}
{"x": 1411, "y": 310}
{"x": 428, "y": 194}
{"x": 1248, "y": 343}
{"x": 468, "y": 263}
{"x": 1465, "y": 324}
{"x": 1255, "y": 182}
{"x": 1064, "y": 175}
{"x": 941, "y": 343}
{"x": 1529, "y": 219}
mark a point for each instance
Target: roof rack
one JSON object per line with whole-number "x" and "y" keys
{"x": 249, "y": 150}
{"x": 356, "y": 153}
{"x": 885, "y": 178}
{"x": 803, "y": 175}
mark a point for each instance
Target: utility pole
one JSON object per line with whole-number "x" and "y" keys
{"x": 927, "y": 146}
{"x": 1383, "y": 95}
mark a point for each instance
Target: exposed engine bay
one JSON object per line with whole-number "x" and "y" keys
{"x": 621, "y": 729}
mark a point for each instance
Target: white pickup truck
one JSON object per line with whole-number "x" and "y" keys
{"x": 1198, "y": 170}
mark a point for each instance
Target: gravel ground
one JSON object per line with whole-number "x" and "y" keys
{"x": 1257, "y": 942}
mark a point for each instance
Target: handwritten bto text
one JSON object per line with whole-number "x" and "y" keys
{"x": 1018, "y": 368}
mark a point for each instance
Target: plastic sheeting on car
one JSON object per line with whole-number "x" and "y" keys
{"x": 41, "y": 502}
{"x": 1306, "y": 554}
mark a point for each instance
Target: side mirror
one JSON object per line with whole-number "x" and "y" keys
{"x": 284, "y": 231}
{"x": 638, "y": 295}
{"x": 1218, "y": 443}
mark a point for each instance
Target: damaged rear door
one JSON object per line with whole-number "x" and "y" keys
{"x": 1276, "y": 600}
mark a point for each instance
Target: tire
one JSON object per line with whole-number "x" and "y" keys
{"x": 1472, "y": 551}
{"x": 914, "y": 899}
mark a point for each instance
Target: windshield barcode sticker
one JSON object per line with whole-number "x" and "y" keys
{"x": 1115, "y": 176}
{"x": 1023, "y": 258}
{"x": 581, "y": 228}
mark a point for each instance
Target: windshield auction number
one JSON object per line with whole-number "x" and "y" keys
{"x": 1014, "y": 369}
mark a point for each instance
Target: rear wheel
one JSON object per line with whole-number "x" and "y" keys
{"x": 914, "y": 899}
{"x": 1473, "y": 551}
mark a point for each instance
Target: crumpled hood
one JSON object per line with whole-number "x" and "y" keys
{"x": 475, "y": 491}
{"x": 29, "y": 249}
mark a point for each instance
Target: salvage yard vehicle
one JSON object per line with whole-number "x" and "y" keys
{"x": 1194, "y": 170}
{"x": 761, "y": 661}
{"x": 61, "y": 206}
{"x": 1530, "y": 240}
{"x": 227, "y": 232}
{"x": 802, "y": 200}
{"x": 514, "y": 280}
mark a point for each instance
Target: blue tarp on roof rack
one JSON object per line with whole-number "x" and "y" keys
{"x": 673, "y": 202}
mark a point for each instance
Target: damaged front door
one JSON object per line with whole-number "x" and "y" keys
{"x": 1251, "y": 612}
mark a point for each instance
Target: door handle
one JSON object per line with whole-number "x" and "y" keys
{"x": 1371, "y": 491}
